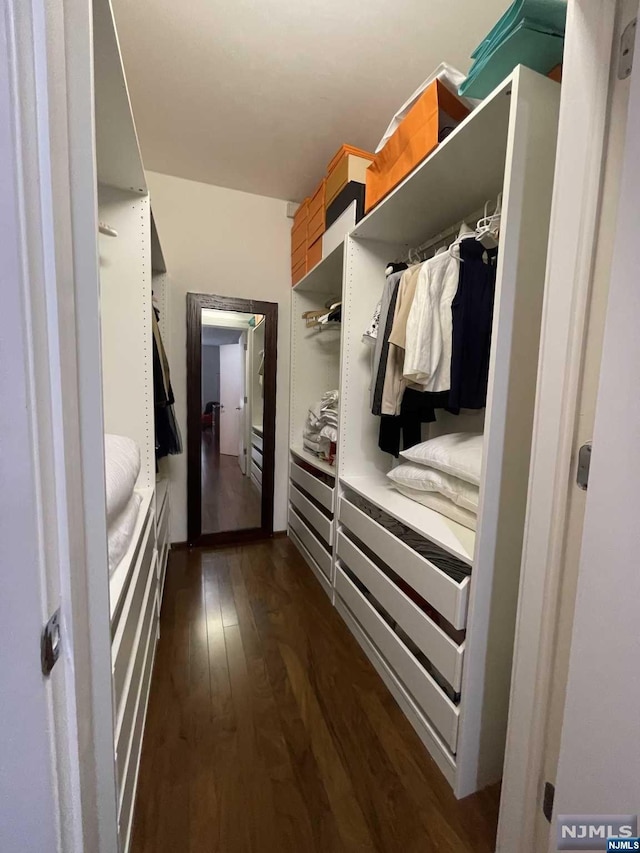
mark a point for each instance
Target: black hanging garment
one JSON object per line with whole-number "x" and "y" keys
{"x": 417, "y": 408}
{"x": 168, "y": 440}
{"x": 472, "y": 313}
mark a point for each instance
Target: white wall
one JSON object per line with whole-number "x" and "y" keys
{"x": 210, "y": 374}
{"x": 228, "y": 243}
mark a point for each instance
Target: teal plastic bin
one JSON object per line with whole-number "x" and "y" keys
{"x": 531, "y": 33}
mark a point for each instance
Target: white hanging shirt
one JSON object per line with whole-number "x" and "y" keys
{"x": 427, "y": 360}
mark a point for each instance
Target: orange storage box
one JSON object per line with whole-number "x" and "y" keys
{"x": 435, "y": 111}
{"x": 314, "y": 254}
{"x": 316, "y": 214}
{"x": 347, "y": 164}
{"x": 299, "y": 233}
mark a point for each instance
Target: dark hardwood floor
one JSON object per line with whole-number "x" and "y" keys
{"x": 230, "y": 501}
{"x": 268, "y": 729}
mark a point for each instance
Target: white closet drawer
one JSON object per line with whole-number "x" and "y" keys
{"x": 310, "y": 513}
{"x": 256, "y": 473}
{"x": 256, "y": 455}
{"x": 313, "y": 545}
{"x": 163, "y": 527}
{"x": 447, "y": 596}
{"x": 131, "y": 617}
{"x": 128, "y": 789}
{"x": 163, "y": 559}
{"x": 256, "y": 441}
{"x": 443, "y": 653}
{"x": 436, "y": 706}
{"x": 125, "y": 724}
{"x": 162, "y": 496}
{"x": 316, "y": 488}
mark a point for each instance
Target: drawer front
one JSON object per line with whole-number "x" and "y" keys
{"x": 311, "y": 514}
{"x": 256, "y": 472}
{"x": 316, "y": 488}
{"x": 436, "y": 706}
{"x": 443, "y": 653}
{"x": 162, "y": 571}
{"x": 442, "y": 592}
{"x": 299, "y": 272}
{"x": 163, "y": 528}
{"x": 127, "y": 799}
{"x": 162, "y": 499}
{"x": 313, "y": 545}
{"x": 131, "y": 616}
{"x": 256, "y": 441}
{"x": 256, "y": 455}
{"x": 127, "y": 721}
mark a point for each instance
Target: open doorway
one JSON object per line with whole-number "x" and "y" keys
{"x": 231, "y": 358}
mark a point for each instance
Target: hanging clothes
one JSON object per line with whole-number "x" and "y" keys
{"x": 168, "y": 439}
{"x": 394, "y": 382}
{"x": 429, "y": 328}
{"x": 390, "y": 288}
{"x": 472, "y": 316}
{"x": 382, "y": 343}
{"x": 400, "y": 432}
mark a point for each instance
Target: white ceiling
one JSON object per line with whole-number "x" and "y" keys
{"x": 214, "y": 337}
{"x": 257, "y": 95}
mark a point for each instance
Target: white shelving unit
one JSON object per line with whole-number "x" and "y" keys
{"x": 436, "y": 617}
{"x": 315, "y": 368}
{"x": 131, "y": 265}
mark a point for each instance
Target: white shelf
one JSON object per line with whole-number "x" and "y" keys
{"x": 119, "y": 580}
{"x": 449, "y": 535}
{"x": 257, "y": 428}
{"x": 463, "y": 172}
{"x": 326, "y": 276}
{"x": 119, "y": 162}
{"x": 299, "y": 451}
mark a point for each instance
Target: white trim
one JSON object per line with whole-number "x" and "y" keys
{"x": 574, "y": 217}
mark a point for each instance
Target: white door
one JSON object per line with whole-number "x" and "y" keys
{"x": 243, "y": 431}
{"x": 599, "y": 764}
{"x": 231, "y": 395}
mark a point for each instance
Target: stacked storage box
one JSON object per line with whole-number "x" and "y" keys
{"x": 334, "y": 207}
{"x": 299, "y": 242}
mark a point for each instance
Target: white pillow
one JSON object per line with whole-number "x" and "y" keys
{"x": 440, "y": 504}
{"x": 122, "y": 466}
{"x": 459, "y": 453}
{"x": 429, "y": 480}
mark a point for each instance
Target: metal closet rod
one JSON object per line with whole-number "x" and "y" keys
{"x": 432, "y": 242}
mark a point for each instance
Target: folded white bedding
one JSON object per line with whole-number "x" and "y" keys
{"x": 120, "y": 531}
{"x": 122, "y": 466}
{"x": 425, "y": 479}
{"x": 459, "y": 454}
{"x": 440, "y": 504}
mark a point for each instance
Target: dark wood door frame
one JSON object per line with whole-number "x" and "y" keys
{"x": 195, "y": 303}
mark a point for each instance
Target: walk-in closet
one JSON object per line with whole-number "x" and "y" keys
{"x": 315, "y": 318}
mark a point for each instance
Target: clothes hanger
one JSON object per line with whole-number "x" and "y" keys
{"x": 488, "y": 227}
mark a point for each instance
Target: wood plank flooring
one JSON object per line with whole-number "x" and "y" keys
{"x": 230, "y": 501}
{"x": 268, "y": 729}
